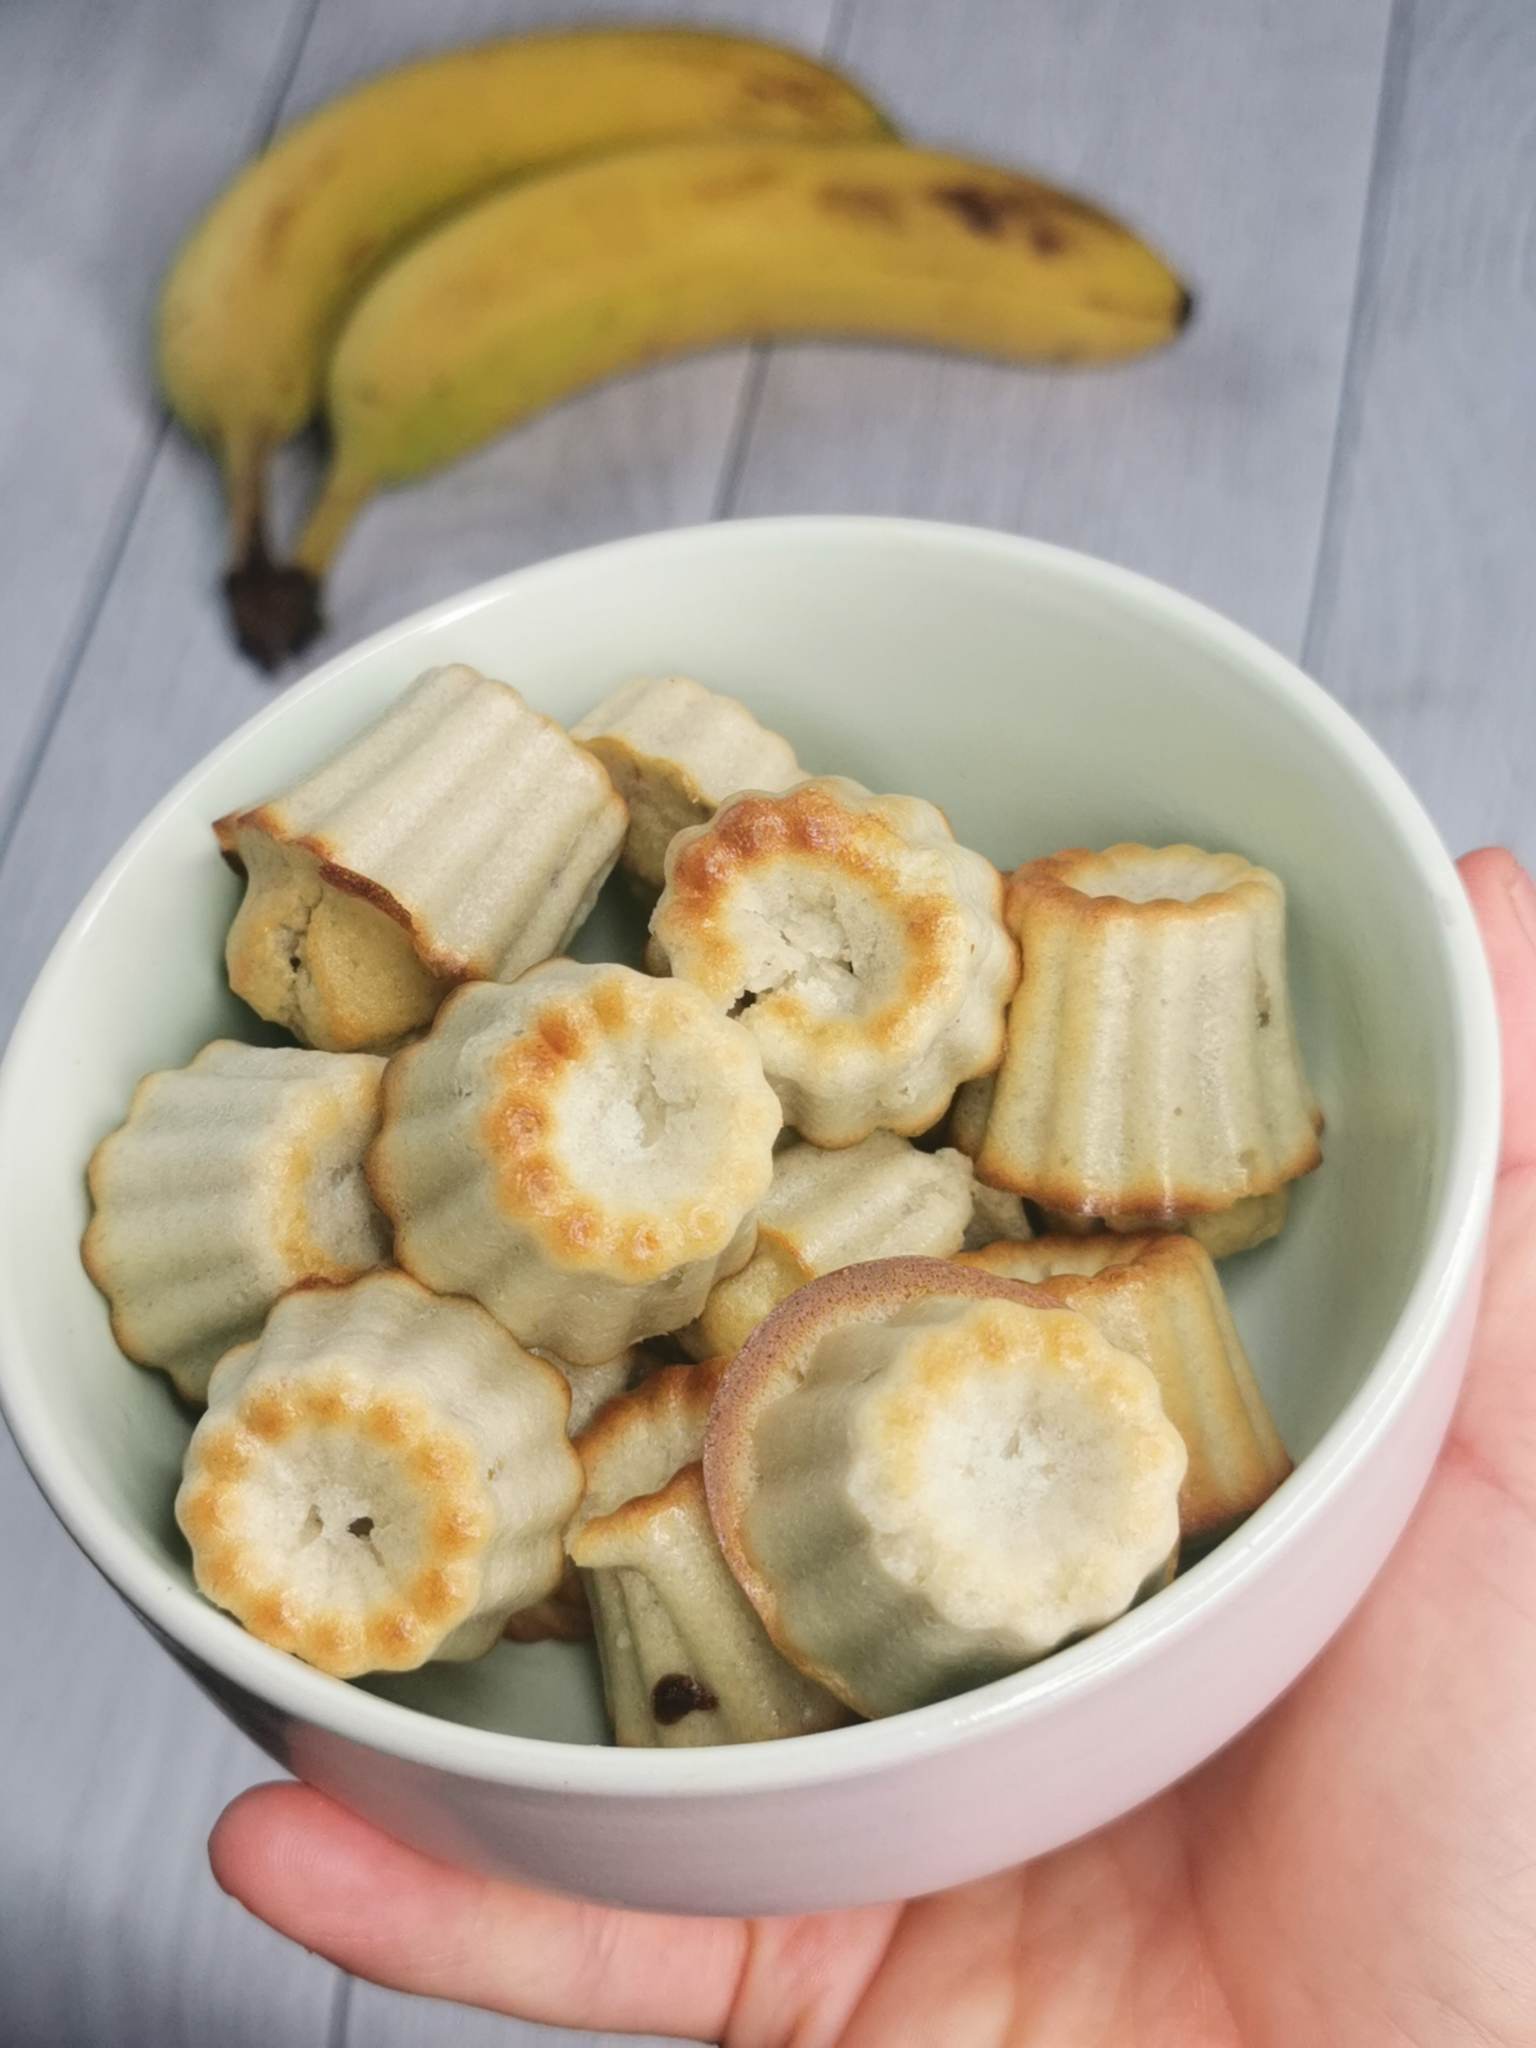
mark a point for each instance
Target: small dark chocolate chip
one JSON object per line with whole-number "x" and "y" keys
{"x": 363, "y": 1526}
{"x": 676, "y": 1695}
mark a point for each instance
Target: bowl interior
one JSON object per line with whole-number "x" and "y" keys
{"x": 1041, "y": 700}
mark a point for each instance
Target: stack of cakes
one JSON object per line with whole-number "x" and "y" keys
{"x": 924, "y": 1170}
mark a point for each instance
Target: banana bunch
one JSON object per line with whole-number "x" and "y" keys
{"x": 453, "y": 246}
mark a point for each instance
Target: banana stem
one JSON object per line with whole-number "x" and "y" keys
{"x": 273, "y": 609}
{"x": 243, "y": 460}
{"x": 341, "y": 498}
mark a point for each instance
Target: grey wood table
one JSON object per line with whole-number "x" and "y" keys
{"x": 1341, "y": 454}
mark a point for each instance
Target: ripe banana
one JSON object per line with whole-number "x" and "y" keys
{"x": 602, "y": 266}
{"x": 255, "y": 295}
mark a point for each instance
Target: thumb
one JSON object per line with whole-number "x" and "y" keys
{"x": 1504, "y": 901}
{"x": 1495, "y": 1425}
{"x": 329, "y": 1880}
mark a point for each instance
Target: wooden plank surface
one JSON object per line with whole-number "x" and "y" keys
{"x": 106, "y": 181}
{"x": 1245, "y": 135}
{"x": 110, "y": 1762}
{"x": 1425, "y": 620}
{"x": 1237, "y": 136}
{"x": 112, "y": 1768}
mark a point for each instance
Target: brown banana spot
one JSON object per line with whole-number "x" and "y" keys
{"x": 864, "y": 203}
{"x": 992, "y": 211}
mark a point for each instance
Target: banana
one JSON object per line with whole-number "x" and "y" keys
{"x": 567, "y": 278}
{"x": 256, "y": 292}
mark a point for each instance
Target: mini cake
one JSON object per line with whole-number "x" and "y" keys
{"x": 1152, "y": 1069}
{"x": 583, "y": 1152}
{"x": 676, "y": 751}
{"x": 858, "y": 943}
{"x": 829, "y": 1209}
{"x": 382, "y": 1478}
{"x": 925, "y": 1477}
{"x": 1159, "y": 1298}
{"x": 463, "y": 837}
{"x": 232, "y": 1180}
{"x": 685, "y": 1660}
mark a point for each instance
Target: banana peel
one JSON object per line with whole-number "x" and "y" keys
{"x": 255, "y": 295}
{"x": 556, "y": 283}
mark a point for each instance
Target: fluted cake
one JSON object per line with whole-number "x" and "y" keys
{"x": 873, "y": 1200}
{"x": 382, "y": 1478}
{"x": 1152, "y": 1069}
{"x": 583, "y": 1151}
{"x": 233, "y": 1179}
{"x": 925, "y": 1476}
{"x": 685, "y": 1660}
{"x": 1160, "y": 1298}
{"x": 462, "y": 837}
{"x": 675, "y": 752}
{"x": 861, "y": 946}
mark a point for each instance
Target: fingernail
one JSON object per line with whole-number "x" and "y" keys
{"x": 1522, "y": 896}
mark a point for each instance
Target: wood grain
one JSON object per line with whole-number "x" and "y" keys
{"x": 1239, "y": 138}
{"x": 110, "y": 1763}
{"x": 1425, "y": 621}
{"x": 1391, "y": 270}
{"x": 95, "y": 143}
{"x": 112, "y": 1767}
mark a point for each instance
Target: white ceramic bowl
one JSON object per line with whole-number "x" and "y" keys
{"x": 1044, "y": 700}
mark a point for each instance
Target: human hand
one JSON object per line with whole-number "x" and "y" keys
{"x": 1358, "y": 1869}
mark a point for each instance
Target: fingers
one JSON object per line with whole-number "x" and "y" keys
{"x": 382, "y": 1911}
{"x": 1495, "y": 1424}
{"x": 1504, "y": 900}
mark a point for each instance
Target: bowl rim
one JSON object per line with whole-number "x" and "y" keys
{"x": 179, "y": 1614}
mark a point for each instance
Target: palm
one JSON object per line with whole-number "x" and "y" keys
{"x": 1359, "y": 1868}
